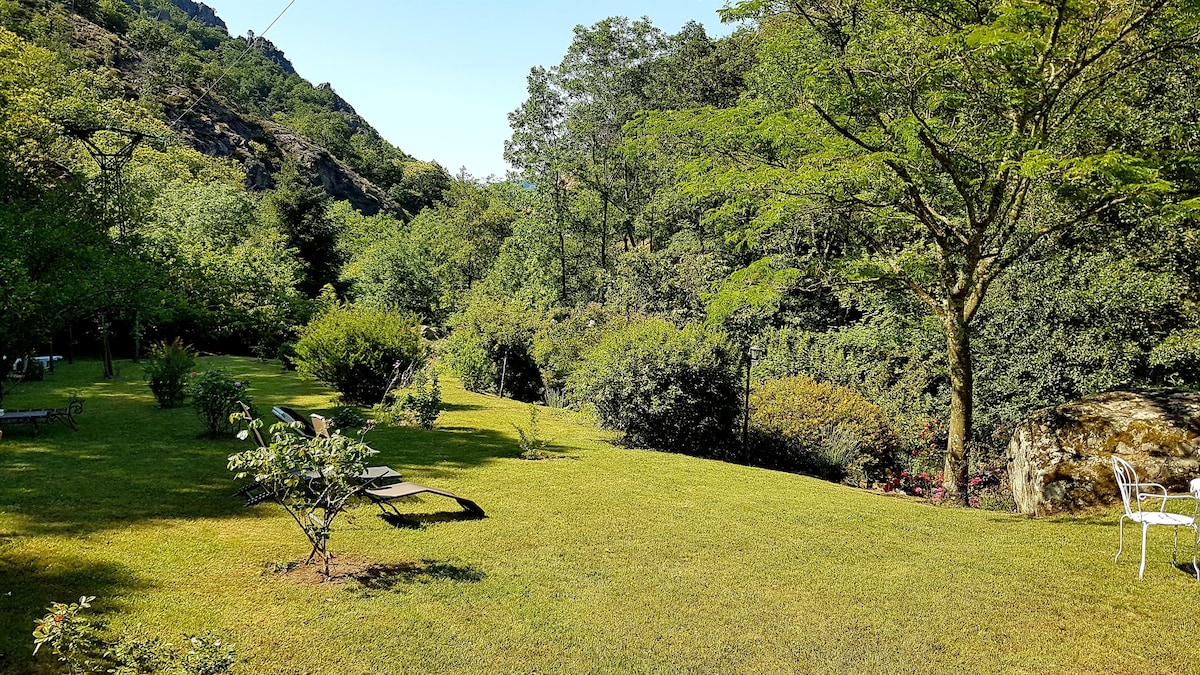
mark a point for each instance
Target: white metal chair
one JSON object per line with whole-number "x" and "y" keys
{"x": 1132, "y": 496}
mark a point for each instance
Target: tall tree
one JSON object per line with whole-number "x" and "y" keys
{"x": 949, "y": 138}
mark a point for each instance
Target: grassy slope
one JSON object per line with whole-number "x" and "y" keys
{"x": 607, "y": 560}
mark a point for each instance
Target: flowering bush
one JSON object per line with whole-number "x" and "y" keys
{"x": 215, "y": 395}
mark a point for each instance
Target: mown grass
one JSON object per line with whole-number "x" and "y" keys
{"x": 604, "y": 560}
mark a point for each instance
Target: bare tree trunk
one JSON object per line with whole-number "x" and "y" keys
{"x": 106, "y": 348}
{"x": 604, "y": 235}
{"x": 962, "y": 395}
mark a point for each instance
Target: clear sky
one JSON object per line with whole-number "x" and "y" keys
{"x": 438, "y": 79}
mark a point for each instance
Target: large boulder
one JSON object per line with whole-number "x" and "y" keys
{"x": 1060, "y": 459}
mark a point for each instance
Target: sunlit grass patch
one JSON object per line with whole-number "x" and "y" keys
{"x": 608, "y": 560}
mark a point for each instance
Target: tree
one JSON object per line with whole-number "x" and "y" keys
{"x": 312, "y": 478}
{"x": 948, "y": 139}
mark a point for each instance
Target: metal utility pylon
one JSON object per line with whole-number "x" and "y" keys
{"x": 112, "y": 188}
{"x": 112, "y": 165}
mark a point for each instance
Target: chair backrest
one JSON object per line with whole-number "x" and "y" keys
{"x": 288, "y": 416}
{"x": 320, "y": 425}
{"x": 1127, "y": 484}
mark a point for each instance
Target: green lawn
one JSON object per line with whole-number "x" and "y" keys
{"x": 604, "y": 560}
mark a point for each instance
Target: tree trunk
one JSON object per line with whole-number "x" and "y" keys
{"x": 106, "y": 348}
{"x": 962, "y": 396}
{"x": 604, "y": 235}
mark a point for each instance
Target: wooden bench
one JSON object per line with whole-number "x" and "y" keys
{"x": 47, "y": 416}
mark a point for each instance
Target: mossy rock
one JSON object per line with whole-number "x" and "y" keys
{"x": 1060, "y": 458}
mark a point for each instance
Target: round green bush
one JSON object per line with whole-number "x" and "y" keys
{"x": 215, "y": 396}
{"x": 814, "y": 427}
{"x": 356, "y": 349}
{"x": 664, "y": 387}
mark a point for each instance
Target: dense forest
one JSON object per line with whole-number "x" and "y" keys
{"x": 925, "y": 220}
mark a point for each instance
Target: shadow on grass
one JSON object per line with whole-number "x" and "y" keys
{"x": 459, "y": 407}
{"x": 395, "y": 576}
{"x": 420, "y": 521}
{"x": 442, "y": 451}
{"x": 28, "y": 585}
{"x": 131, "y": 461}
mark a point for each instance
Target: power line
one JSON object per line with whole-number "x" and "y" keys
{"x": 249, "y": 45}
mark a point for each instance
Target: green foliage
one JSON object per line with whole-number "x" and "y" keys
{"x": 894, "y": 363}
{"x": 69, "y": 634}
{"x": 347, "y": 417}
{"x": 533, "y": 446}
{"x": 664, "y": 387}
{"x": 214, "y": 396}
{"x": 286, "y": 468}
{"x": 166, "y": 369}
{"x": 141, "y": 652}
{"x": 1179, "y": 354}
{"x": 423, "y": 404}
{"x": 355, "y": 349}
{"x": 491, "y": 347}
{"x": 804, "y": 425}
{"x": 466, "y": 356}
{"x": 34, "y": 371}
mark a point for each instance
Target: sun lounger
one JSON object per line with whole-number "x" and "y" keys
{"x": 383, "y": 497}
{"x": 287, "y": 415}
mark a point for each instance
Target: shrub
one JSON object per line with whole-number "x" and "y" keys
{"x": 424, "y": 403}
{"x": 215, "y": 395}
{"x": 533, "y": 446}
{"x": 286, "y": 353}
{"x": 34, "y": 371}
{"x": 69, "y": 634}
{"x": 491, "y": 347}
{"x": 347, "y": 417}
{"x": 167, "y": 370}
{"x": 664, "y": 387}
{"x": 420, "y": 407}
{"x": 355, "y": 350}
{"x": 820, "y": 428}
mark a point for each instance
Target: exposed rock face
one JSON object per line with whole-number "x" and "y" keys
{"x": 200, "y": 13}
{"x": 1059, "y": 459}
{"x": 262, "y": 146}
{"x": 273, "y": 53}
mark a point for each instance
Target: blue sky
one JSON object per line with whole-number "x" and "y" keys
{"x": 438, "y": 79}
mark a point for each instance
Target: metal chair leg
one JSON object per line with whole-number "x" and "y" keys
{"x": 1142, "y": 569}
{"x": 1120, "y": 537}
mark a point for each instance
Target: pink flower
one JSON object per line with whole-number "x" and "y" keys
{"x": 974, "y": 501}
{"x": 976, "y": 480}
{"x": 194, "y": 373}
{"x": 918, "y": 491}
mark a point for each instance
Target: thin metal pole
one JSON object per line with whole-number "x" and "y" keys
{"x": 746, "y": 407}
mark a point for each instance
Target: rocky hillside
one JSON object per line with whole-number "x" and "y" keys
{"x": 167, "y": 53}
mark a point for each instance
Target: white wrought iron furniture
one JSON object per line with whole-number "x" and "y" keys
{"x": 1133, "y": 493}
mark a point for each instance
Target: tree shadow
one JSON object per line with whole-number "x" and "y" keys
{"x": 28, "y": 585}
{"x": 421, "y": 521}
{"x": 459, "y": 407}
{"x": 395, "y": 576}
